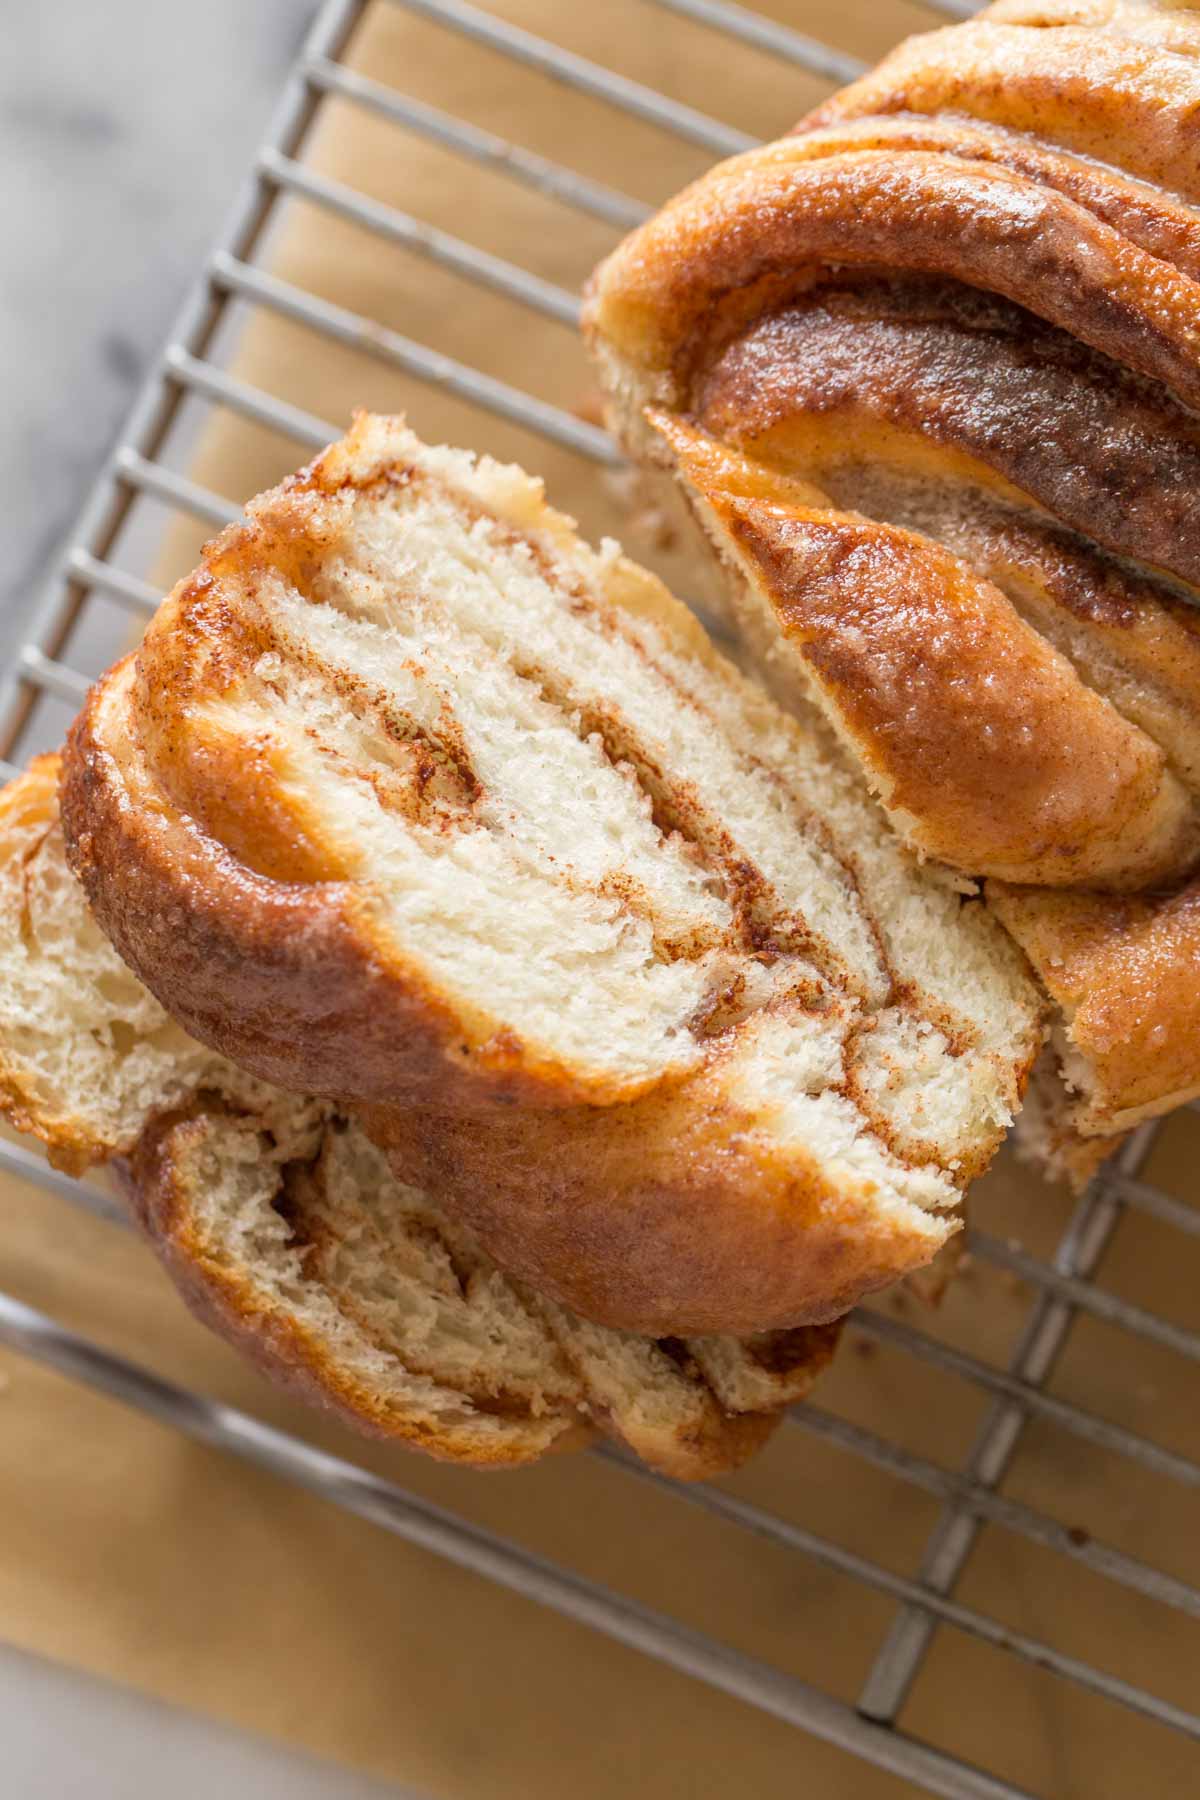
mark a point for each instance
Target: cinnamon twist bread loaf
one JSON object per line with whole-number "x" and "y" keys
{"x": 284, "y": 1229}
{"x": 413, "y": 802}
{"x": 927, "y": 371}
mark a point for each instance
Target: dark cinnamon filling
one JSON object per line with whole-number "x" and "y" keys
{"x": 1107, "y": 452}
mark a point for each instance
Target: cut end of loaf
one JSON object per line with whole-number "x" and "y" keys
{"x": 285, "y": 1230}
{"x": 412, "y": 800}
{"x": 85, "y": 1052}
{"x": 348, "y": 1294}
{"x": 357, "y": 1292}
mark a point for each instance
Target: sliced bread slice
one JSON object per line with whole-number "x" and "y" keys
{"x": 284, "y": 1228}
{"x": 412, "y": 801}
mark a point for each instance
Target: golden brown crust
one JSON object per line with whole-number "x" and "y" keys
{"x": 277, "y": 974}
{"x": 719, "y": 1449}
{"x": 954, "y": 296}
{"x": 1125, "y": 973}
{"x": 697, "y": 273}
{"x": 1116, "y": 82}
{"x": 673, "y": 314}
{"x": 676, "y": 1215}
{"x": 1146, "y": 214}
{"x": 951, "y": 701}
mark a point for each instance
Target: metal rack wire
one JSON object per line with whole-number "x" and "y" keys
{"x": 1063, "y": 1286}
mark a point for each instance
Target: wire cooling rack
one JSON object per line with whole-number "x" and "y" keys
{"x": 94, "y": 596}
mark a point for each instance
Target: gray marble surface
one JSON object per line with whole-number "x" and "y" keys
{"x": 69, "y": 1737}
{"x": 125, "y": 127}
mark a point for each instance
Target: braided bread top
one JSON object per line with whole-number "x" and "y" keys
{"x": 927, "y": 369}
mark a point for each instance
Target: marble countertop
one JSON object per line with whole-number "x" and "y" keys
{"x": 129, "y": 126}
{"x": 69, "y": 1737}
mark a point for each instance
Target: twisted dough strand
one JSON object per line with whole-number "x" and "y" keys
{"x": 928, "y": 372}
